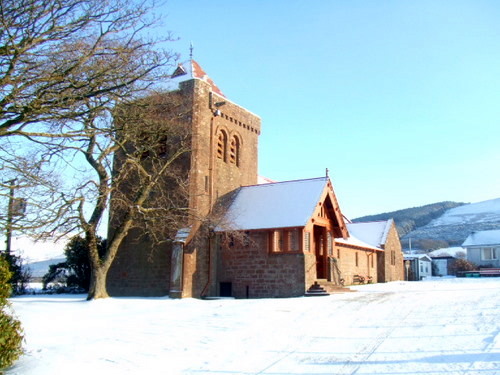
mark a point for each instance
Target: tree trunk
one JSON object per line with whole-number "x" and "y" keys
{"x": 97, "y": 288}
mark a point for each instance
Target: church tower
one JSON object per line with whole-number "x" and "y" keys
{"x": 225, "y": 139}
{"x": 223, "y": 157}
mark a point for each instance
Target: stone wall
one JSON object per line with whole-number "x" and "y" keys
{"x": 211, "y": 177}
{"x": 141, "y": 269}
{"x": 346, "y": 260}
{"x": 255, "y": 273}
{"x": 391, "y": 262}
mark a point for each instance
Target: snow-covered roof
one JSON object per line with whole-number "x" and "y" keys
{"x": 182, "y": 235}
{"x": 274, "y": 205}
{"x": 354, "y": 241}
{"x": 424, "y": 257}
{"x": 264, "y": 180}
{"x": 373, "y": 233}
{"x": 192, "y": 70}
{"x": 453, "y": 252}
{"x": 481, "y": 238}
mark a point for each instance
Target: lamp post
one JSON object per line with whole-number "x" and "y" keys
{"x": 407, "y": 265}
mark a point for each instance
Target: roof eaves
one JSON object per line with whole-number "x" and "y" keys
{"x": 356, "y": 243}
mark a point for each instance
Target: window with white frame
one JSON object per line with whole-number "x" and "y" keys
{"x": 489, "y": 253}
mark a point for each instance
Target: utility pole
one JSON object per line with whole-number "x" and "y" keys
{"x": 8, "y": 231}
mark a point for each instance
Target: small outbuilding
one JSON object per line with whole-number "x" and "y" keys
{"x": 443, "y": 265}
{"x": 419, "y": 267}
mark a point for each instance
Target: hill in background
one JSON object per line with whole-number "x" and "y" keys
{"x": 409, "y": 219}
{"x": 442, "y": 224}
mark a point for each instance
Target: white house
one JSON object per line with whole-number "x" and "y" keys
{"x": 483, "y": 248}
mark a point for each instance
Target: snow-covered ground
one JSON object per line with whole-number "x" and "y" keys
{"x": 436, "y": 326}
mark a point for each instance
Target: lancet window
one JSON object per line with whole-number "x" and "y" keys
{"x": 234, "y": 151}
{"x": 221, "y": 145}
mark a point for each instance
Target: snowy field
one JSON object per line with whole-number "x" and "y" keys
{"x": 439, "y": 326}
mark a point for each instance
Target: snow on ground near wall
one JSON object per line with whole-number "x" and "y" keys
{"x": 436, "y": 326}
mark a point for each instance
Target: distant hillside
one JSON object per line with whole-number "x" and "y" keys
{"x": 442, "y": 224}
{"x": 453, "y": 227}
{"x": 409, "y": 219}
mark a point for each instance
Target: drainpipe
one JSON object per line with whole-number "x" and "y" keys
{"x": 215, "y": 113}
{"x": 211, "y": 155}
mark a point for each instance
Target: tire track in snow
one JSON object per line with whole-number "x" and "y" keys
{"x": 360, "y": 302}
{"x": 367, "y": 351}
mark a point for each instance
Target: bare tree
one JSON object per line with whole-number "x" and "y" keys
{"x": 76, "y": 79}
{"x": 122, "y": 156}
{"x": 57, "y": 54}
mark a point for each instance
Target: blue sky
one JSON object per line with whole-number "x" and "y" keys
{"x": 400, "y": 100}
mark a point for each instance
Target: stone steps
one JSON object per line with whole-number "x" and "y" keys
{"x": 325, "y": 288}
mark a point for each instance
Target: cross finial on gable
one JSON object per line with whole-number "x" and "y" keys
{"x": 327, "y": 172}
{"x": 191, "y": 51}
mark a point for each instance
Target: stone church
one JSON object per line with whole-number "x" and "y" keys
{"x": 272, "y": 239}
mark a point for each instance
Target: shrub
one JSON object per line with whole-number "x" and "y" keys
{"x": 75, "y": 271}
{"x": 11, "y": 334}
{"x": 57, "y": 273}
{"x": 464, "y": 265}
{"x": 20, "y": 276}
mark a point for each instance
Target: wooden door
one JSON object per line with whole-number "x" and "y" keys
{"x": 320, "y": 251}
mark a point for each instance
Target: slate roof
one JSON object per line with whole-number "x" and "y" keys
{"x": 275, "y": 205}
{"x": 483, "y": 238}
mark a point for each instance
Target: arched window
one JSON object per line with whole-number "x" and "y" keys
{"x": 234, "y": 151}
{"x": 221, "y": 145}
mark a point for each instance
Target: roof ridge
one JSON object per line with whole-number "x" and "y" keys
{"x": 371, "y": 221}
{"x": 288, "y": 181}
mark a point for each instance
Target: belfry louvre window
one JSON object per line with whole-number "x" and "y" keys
{"x": 221, "y": 145}
{"x": 284, "y": 240}
{"x": 234, "y": 151}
